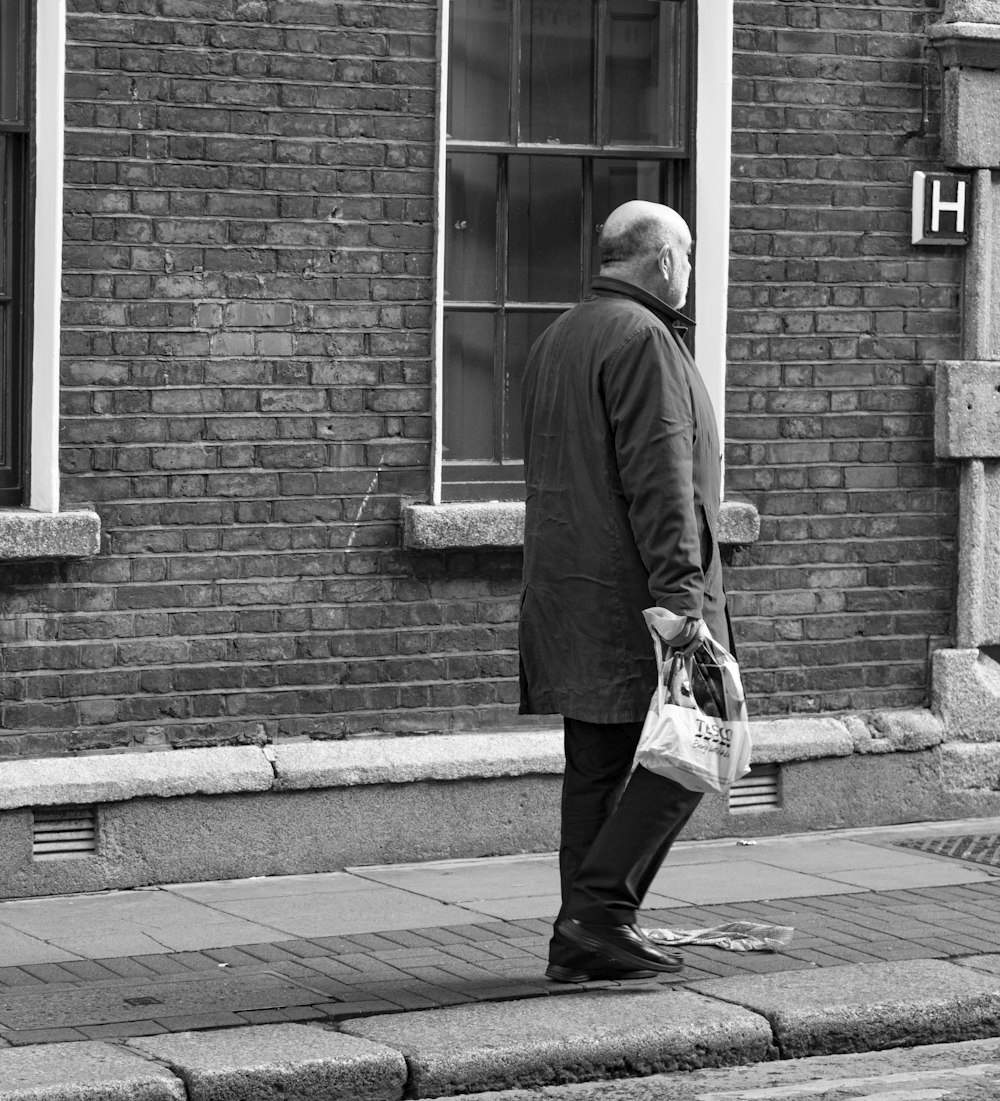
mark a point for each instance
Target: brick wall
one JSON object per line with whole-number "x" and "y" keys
{"x": 835, "y": 324}
{"x": 246, "y": 384}
{"x": 248, "y": 256}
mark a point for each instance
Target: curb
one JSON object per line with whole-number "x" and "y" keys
{"x": 572, "y": 1037}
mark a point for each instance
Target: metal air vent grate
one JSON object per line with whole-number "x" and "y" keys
{"x": 60, "y": 832}
{"x": 757, "y": 791}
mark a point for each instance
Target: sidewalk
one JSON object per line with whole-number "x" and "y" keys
{"x": 880, "y": 928}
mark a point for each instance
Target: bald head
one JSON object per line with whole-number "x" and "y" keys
{"x": 647, "y": 244}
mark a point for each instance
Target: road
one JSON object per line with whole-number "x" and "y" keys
{"x": 942, "y": 1072}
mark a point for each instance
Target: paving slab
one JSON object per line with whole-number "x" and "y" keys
{"x": 816, "y": 856}
{"x": 865, "y": 1007}
{"x": 271, "y": 886}
{"x": 17, "y": 947}
{"x": 470, "y": 880}
{"x": 150, "y": 918}
{"x": 525, "y": 906}
{"x": 291, "y": 1062}
{"x": 902, "y": 877}
{"x": 572, "y": 1037}
{"x": 740, "y": 881}
{"x": 84, "y": 1072}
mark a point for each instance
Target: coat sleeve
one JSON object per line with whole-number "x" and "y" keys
{"x": 649, "y": 408}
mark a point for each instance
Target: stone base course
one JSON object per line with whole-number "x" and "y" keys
{"x": 447, "y": 796}
{"x": 297, "y": 766}
{"x": 116, "y": 777}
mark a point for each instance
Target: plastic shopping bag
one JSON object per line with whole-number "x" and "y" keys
{"x": 696, "y": 731}
{"x": 734, "y": 936}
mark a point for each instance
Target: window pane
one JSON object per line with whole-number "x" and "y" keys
{"x": 523, "y": 329}
{"x": 468, "y": 386}
{"x": 6, "y": 412}
{"x": 479, "y": 70}
{"x": 544, "y": 229}
{"x": 471, "y": 225}
{"x": 6, "y": 199}
{"x": 645, "y": 73}
{"x": 556, "y": 70}
{"x": 616, "y": 182}
{"x": 12, "y": 55}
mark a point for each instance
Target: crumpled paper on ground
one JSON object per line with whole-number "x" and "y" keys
{"x": 734, "y": 936}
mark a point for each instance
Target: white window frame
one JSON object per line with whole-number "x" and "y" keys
{"x": 713, "y": 144}
{"x": 42, "y": 376}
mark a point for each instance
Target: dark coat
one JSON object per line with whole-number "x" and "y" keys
{"x": 623, "y": 470}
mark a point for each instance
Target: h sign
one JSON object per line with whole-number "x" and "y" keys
{"x": 941, "y": 206}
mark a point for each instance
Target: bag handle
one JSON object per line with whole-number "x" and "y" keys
{"x": 665, "y": 683}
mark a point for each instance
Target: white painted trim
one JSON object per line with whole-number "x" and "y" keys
{"x": 43, "y": 494}
{"x": 713, "y": 145}
{"x": 437, "y": 336}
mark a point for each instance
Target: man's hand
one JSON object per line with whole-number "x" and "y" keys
{"x": 690, "y": 636}
{"x": 683, "y": 633}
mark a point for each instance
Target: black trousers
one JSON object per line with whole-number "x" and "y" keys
{"x": 615, "y": 834}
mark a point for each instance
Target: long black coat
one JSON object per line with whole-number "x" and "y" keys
{"x": 623, "y": 469}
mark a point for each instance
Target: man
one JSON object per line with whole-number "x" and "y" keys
{"x": 622, "y": 463}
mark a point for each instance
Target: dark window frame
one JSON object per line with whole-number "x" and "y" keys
{"x": 16, "y": 195}
{"x": 502, "y": 477}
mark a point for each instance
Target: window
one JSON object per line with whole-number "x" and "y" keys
{"x": 557, "y": 112}
{"x": 15, "y": 289}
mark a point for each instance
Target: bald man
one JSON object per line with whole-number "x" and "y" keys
{"x": 622, "y": 464}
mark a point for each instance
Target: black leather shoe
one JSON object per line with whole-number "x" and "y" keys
{"x": 595, "y": 967}
{"x": 624, "y": 944}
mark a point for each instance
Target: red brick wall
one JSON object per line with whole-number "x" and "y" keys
{"x": 836, "y": 321}
{"x": 246, "y": 383}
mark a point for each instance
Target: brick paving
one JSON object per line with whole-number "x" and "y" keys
{"x": 332, "y": 978}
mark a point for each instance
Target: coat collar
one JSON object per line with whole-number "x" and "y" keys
{"x": 605, "y": 284}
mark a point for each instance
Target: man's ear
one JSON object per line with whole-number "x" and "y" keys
{"x": 665, "y": 262}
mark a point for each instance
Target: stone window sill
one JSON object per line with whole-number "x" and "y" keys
{"x": 501, "y": 524}
{"x": 25, "y": 534}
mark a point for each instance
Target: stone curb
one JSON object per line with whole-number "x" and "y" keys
{"x": 608, "y": 1034}
{"x": 86, "y": 1071}
{"x": 613, "y": 1033}
{"x": 571, "y": 1036}
{"x": 867, "y": 1007}
{"x": 294, "y": 1062}
{"x": 298, "y": 766}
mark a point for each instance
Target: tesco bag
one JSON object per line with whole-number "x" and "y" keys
{"x": 696, "y": 731}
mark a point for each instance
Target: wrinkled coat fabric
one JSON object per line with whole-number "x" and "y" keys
{"x": 623, "y": 469}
